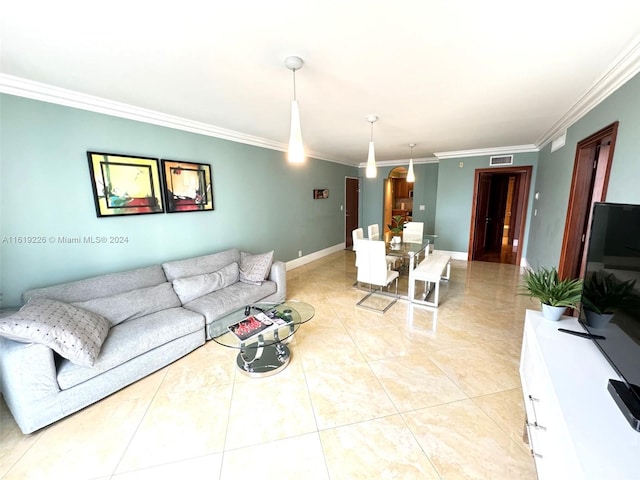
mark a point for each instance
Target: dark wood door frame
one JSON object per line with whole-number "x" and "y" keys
{"x": 524, "y": 173}
{"x": 351, "y": 208}
{"x": 591, "y": 167}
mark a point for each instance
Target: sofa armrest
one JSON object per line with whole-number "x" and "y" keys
{"x": 27, "y": 376}
{"x": 278, "y": 275}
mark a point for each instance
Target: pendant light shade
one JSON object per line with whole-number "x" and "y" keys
{"x": 411, "y": 177}
{"x": 372, "y": 170}
{"x": 296, "y": 148}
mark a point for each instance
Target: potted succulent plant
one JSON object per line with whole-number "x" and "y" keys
{"x": 396, "y": 227}
{"x": 604, "y": 295}
{"x": 555, "y": 294}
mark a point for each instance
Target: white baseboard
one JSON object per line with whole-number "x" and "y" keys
{"x": 298, "y": 262}
{"x": 524, "y": 265}
{"x": 454, "y": 255}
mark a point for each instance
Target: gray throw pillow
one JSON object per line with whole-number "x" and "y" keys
{"x": 254, "y": 269}
{"x": 196, "y": 286}
{"x": 72, "y": 332}
{"x": 134, "y": 304}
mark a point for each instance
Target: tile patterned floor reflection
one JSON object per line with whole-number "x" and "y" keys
{"x": 414, "y": 393}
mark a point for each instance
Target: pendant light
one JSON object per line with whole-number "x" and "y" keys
{"x": 372, "y": 170}
{"x": 296, "y": 148}
{"x": 411, "y": 177}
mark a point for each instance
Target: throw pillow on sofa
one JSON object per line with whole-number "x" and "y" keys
{"x": 196, "y": 286}
{"x": 254, "y": 269}
{"x": 133, "y": 304}
{"x": 72, "y": 332}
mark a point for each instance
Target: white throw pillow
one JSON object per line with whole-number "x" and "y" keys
{"x": 72, "y": 332}
{"x": 254, "y": 269}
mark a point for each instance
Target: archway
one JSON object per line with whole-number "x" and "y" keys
{"x": 398, "y": 196}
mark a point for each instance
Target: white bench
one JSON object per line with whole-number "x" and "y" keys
{"x": 430, "y": 270}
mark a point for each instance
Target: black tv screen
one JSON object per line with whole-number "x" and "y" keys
{"x": 612, "y": 280}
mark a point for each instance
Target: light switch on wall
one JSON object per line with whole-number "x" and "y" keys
{"x": 422, "y": 207}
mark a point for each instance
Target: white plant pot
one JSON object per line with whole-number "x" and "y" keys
{"x": 552, "y": 313}
{"x": 396, "y": 239}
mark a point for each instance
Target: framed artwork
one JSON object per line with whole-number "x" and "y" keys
{"x": 320, "y": 193}
{"x": 125, "y": 184}
{"x": 187, "y": 186}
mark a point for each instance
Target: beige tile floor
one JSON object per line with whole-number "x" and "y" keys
{"x": 411, "y": 394}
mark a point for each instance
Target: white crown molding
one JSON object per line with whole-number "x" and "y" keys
{"x": 401, "y": 162}
{"x": 624, "y": 67}
{"x": 22, "y": 87}
{"x": 479, "y": 152}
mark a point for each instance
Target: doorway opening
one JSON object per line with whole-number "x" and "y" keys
{"x": 500, "y": 199}
{"x": 398, "y": 197}
{"x": 591, "y": 167}
{"x": 351, "y": 208}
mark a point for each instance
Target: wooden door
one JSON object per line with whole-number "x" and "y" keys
{"x": 352, "y": 189}
{"x": 482, "y": 215}
{"x": 592, "y": 164}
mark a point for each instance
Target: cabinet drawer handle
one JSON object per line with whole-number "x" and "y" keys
{"x": 531, "y": 447}
{"x": 537, "y": 426}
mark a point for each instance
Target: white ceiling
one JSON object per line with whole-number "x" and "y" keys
{"x": 447, "y": 76}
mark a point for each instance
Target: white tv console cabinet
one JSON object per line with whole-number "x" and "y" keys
{"x": 575, "y": 428}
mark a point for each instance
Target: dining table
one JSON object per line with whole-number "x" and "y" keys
{"x": 411, "y": 253}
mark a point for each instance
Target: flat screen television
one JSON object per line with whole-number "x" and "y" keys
{"x": 613, "y": 265}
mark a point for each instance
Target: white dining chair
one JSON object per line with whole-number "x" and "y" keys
{"x": 413, "y": 232}
{"x": 372, "y": 269}
{"x": 357, "y": 234}
{"x": 374, "y": 234}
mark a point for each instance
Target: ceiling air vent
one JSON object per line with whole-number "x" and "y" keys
{"x": 501, "y": 160}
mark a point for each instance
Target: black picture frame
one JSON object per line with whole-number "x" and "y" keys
{"x": 187, "y": 186}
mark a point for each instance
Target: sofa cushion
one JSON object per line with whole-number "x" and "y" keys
{"x": 222, "y": 302}
{"x": 190, "y": 288}
{"x": 199, "y": 265}
{"x": 254, "y": 269}
{"x": 136, "y": 303}
{"x": 72, "y": 332}
{"x": 101, "y": 286}
{"x": 132, "y": 339}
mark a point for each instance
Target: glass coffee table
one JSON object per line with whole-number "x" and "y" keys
{"x": 266, "y": 353}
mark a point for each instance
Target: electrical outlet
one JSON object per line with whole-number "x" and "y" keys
{"x": 299, "y": 253}
{"x": 461, "y": 164}
{"x": 422, "y": 207}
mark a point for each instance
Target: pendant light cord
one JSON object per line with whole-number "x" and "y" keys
{"x": 294, "y": 83}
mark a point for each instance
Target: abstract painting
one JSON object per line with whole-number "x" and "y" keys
{"x": 125, "y": 184}
{"x": 187, "y": 186}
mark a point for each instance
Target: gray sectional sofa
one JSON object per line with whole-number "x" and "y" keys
{"x": 152, "y": 316}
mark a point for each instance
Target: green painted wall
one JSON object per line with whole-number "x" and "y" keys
{"x": 261, "y": 203}
{"x": 555, "y": 170}
{"x": 455, "y": 199}
{"x": 425, "y": 191}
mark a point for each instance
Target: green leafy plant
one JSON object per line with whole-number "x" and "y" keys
{"x": 606, "y": 294}
{"x": 397, "y": 224}
{"x": 545, "y": 285}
